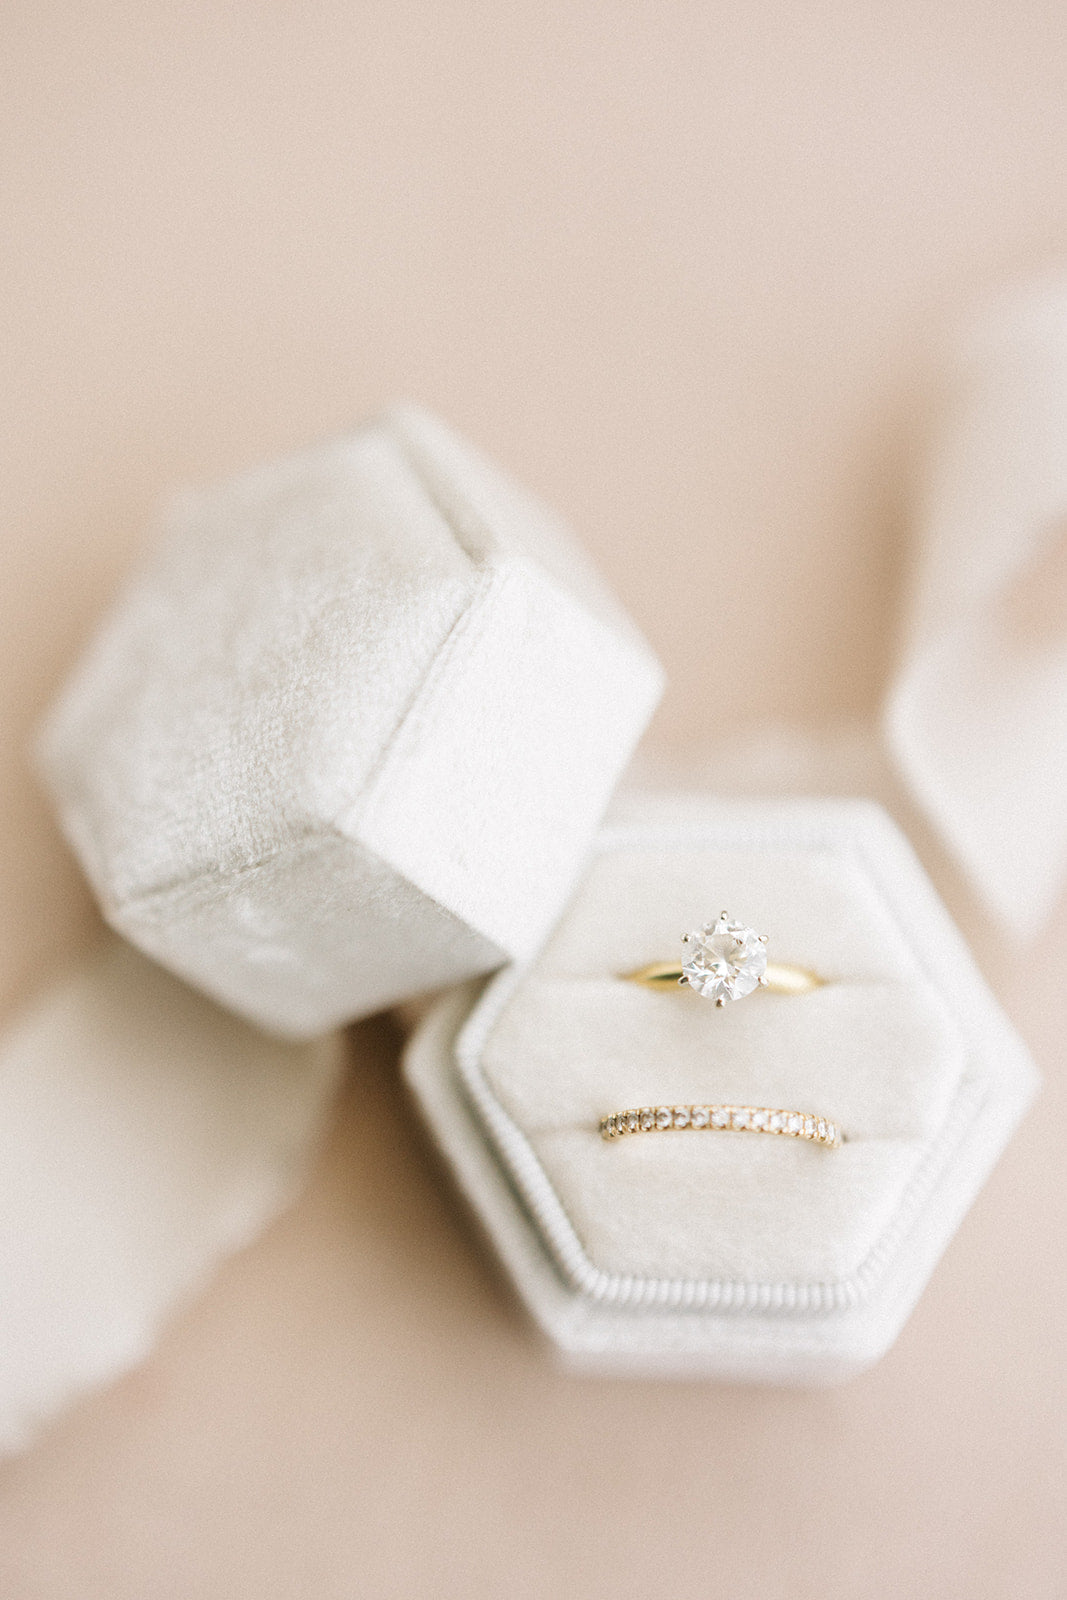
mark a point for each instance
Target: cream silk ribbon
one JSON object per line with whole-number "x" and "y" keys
{"x": 976, "y": 719}
{"x": 144, "y": 1135}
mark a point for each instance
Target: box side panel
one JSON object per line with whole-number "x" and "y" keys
{"x": 494, "y": 786}
{"x": 317, "y": 935}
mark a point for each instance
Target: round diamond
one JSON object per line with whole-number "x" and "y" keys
{"x": 681, "y": 1116}
{"x": 725, "y": 961}
{"x": 664, "y": 1117}
{"x": 776, "y": 1121}
{"x": 632, "y": 1122}
{"x": 809, "y": 1127}
{"x": 698, "y": 1117}
{"x": 759, "y": 1119}
{"x": 648, "y": 1119}
{"x": 720, "y": 1117}
{"x": 796, "y": 1123}
{"x": 742, "y": 1119}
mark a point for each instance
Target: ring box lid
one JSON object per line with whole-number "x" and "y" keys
{"x": 347, "y": 734}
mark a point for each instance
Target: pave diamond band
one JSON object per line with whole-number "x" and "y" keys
{"x": 726, "y": 960}
{"x": 737, "y": 1119}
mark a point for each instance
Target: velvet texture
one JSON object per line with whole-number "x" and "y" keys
{"x": 347, "y": 734}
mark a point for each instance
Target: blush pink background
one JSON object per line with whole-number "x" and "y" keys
{"x": 680, "y": 267}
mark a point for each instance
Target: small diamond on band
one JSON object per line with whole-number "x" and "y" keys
{"x": 742, "y": 1119}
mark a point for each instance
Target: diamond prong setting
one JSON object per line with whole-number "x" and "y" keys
{"x": 725, "y": 960}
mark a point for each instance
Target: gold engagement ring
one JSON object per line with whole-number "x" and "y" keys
{"x": 726, "y": 961}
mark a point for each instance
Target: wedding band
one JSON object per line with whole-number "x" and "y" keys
{"x": 726, "y": 961}
{"x": 738, "y": 1119}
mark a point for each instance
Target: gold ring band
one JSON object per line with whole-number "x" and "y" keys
{"x": 738, "y": 1119}
{"x": 779, "y": 977}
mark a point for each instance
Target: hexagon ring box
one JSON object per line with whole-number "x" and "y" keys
{"x": 347, "y": 734}
{"x": 740, "y": 1156}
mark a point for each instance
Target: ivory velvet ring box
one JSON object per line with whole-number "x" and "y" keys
{"x": 701, "y": 1250}
{"x": 348, "y": 736}
{"x": 347, "y": 733}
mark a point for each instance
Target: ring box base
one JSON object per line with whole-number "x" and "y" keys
{"x": 480, "y": 1067}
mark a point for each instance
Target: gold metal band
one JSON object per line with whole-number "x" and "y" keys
{"x": 779, "y": 977}
{"x": 740, "y": 1119}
